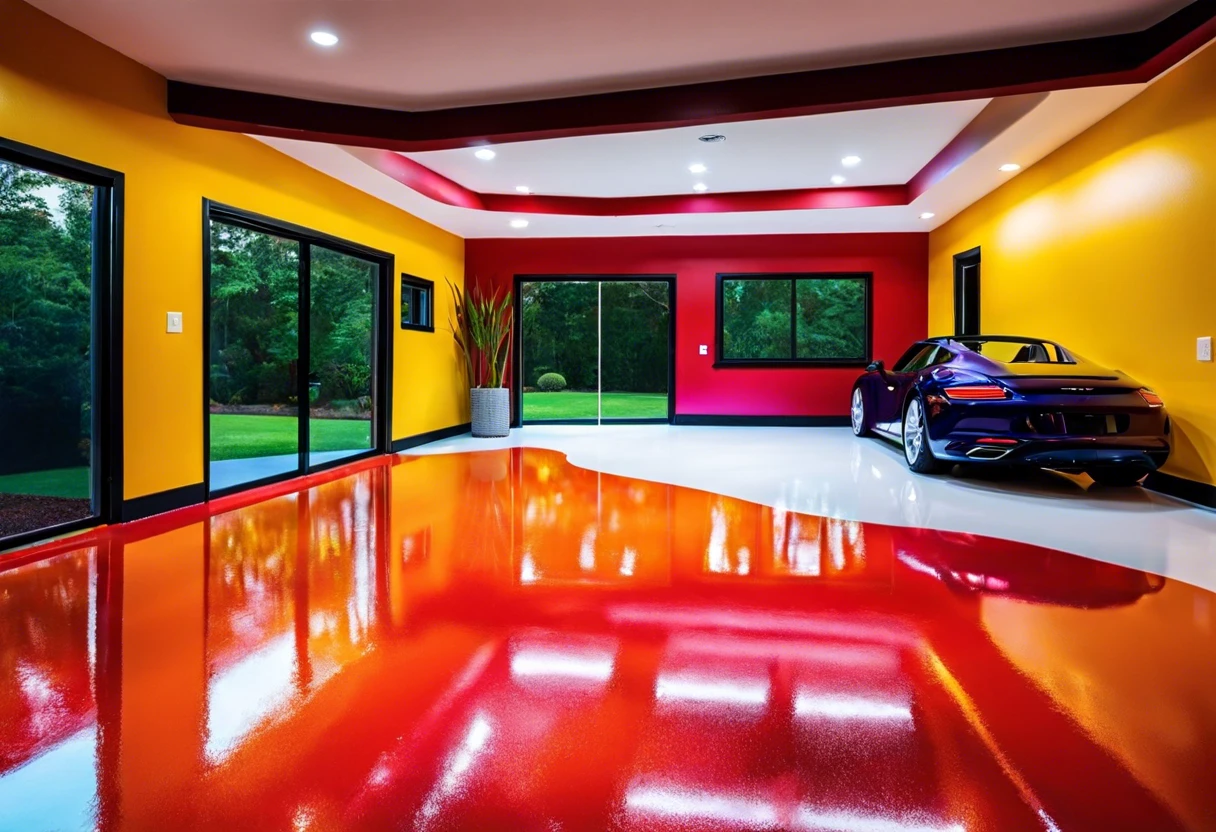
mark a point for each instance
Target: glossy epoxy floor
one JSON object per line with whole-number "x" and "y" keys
{"x": 505, "y": 641}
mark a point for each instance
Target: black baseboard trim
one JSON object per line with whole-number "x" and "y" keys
{"x": 763, "y": 421}
{"x": 162, "y": 501}
{"x": 1199, "y": 493}
{"x": 405, "y": 444}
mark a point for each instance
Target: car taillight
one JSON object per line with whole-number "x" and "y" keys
{"x": 976, "y": 392}
{"x": 1152, "y": 398}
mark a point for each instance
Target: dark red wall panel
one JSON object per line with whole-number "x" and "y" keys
{"x": 899, "y": 263}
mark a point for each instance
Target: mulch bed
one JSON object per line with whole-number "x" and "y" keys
{"x": 20, "y": 513}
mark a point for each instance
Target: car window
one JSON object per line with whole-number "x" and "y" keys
{"x": 923, "y": 359}
{"x": 943, "y": 355}
{"x": 917, "y": 353}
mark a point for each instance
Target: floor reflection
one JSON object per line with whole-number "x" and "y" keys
{"x": 501, "y": 640}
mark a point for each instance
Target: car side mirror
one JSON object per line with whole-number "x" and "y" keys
{"x": 874, "y": 367}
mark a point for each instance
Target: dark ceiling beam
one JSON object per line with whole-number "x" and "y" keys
{"x": 1116, "y": 59}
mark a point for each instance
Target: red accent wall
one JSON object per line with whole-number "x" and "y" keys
{"x": 899, "y": 263}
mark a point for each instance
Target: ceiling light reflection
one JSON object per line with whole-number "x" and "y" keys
{"x": 527, "y": 663}
{"x": 718, "y": 691}
{"x": 842, "y": 820}
{"x": 456, "y": 768}
{"x": 686, "y": 803}
{"x": 807, "y": 704}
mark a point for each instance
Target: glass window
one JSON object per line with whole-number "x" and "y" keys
{"x": 47, "y": 453}
{"x": 798, "y": 319}
{"x": 595, "y": 350}
{"x": 416, "y": 303}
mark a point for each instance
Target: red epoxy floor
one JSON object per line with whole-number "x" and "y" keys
{"x": 502, "y": 641}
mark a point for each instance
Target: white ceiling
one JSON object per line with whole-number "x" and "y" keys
{"x": 777, "y": 154}
{"x": 437, "y": 53}
{"x": 1062, "y": 116}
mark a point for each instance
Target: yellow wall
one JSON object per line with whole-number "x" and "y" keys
{"x": 1108, "y": 245}
{"x": 64, "y": 92}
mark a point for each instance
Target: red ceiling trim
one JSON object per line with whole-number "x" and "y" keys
{"x": 1117, "y": 59}
{"x": 997, "y": 116}
{"x": 441, "y": 189}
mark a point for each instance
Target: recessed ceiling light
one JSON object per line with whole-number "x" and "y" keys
{"x": 697, "y": 168}
{"x": 838, "y": 180}
{"x": 523, "y": 189}
{"x": 711, "y": 138}
{"x": 928, "y": 215}
{"x": 1010, "y": 167}
{"x": 485, "y": 154}
{"x": 323, "y": 38}
{"x": 851, "y": 161}
{"x": 519, "y": 223}
{"x": 700, "y": 187}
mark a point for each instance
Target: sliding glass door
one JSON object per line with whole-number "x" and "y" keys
{"x": 57, "y": 264}
{"x": 594, "y": 349}
{"x": 294, "y": 345}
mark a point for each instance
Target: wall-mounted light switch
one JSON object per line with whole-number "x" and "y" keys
{"x": 704, "y": 349}
{"x": 173, "y": 322}
{"x": 1203, "y": 349}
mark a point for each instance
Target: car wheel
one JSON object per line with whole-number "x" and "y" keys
{"x": 1117, "y": 477}
{"x": 916, "y": 440}
{"x": 857, "y": 414}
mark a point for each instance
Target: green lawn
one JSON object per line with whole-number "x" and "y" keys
{"x": 242, "y": 437}
{"x": 61, "y": 482}
{"x": 572, "y": 405}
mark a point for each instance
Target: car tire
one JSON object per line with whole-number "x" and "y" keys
{"x": 917, "y": 452}
{"x": 858, "y": 417}
{"x": 1117, "y": 477}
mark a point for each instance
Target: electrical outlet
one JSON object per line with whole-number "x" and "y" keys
{"x": 1203, "y": 349}
{"x": 704, "y": 349}
{"x": 173, "y": 322}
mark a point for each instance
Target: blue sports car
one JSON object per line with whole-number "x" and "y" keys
{"x": 1003, "y": 400}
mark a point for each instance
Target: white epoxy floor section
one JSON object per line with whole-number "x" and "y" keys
{"x": 828, "y": 471}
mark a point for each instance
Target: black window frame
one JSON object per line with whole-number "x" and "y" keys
{"x": 382, "y": 352}
{"x": 107, "y": 333}
{"x": 720, "y": 361}
{"x": 418, "y": 283}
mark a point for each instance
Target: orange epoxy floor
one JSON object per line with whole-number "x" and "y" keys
{"x": 503, "y": 641}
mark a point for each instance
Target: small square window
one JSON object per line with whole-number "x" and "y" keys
{"x": 417, "y": 303}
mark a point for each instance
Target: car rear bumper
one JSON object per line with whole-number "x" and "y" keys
{"x": 1060, "y": 453}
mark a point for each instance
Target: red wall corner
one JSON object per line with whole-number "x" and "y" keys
{"x": 899, "y": 263}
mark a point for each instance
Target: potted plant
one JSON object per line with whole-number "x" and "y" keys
{"x": 481, "y": 325}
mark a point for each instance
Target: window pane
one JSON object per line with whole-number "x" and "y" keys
{"x": 756, "y": 319}
{"x": 46, "y": 351}
{"x": 560, "y": 321}
{"x": 832, "y": 319}
{"x": 340, "y": 354}
{"x": 407, "y": 305}
{"x": 255, "y": 279}
{"x": 424, "y": 307}
{"x": 634, "y": 357}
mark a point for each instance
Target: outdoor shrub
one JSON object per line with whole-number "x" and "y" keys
{"x": 347, "y": 381}
{"x": 551, "y": 383}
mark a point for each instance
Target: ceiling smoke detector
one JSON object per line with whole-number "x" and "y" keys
{"x": 712, "y": 138}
